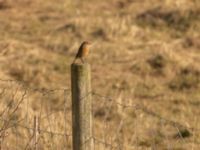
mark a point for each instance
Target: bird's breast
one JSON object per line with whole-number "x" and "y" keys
{"x": 85, "y": 52}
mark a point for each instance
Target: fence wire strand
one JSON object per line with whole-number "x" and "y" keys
{"x": 108, "y": 144}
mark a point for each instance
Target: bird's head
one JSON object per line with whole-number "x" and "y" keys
{"x": 87, "y": 44}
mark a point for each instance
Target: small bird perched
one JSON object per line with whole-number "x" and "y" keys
{"x": 83, "y": 51}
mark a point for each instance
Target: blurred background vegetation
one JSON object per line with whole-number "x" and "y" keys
{"x": 145, "y": 52}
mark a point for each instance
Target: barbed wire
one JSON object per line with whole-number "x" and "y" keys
{"x": 9, "y": 123}
{"x": 103, "y": 142}
{"x": 43, "y": 91}
{"x": 147, "y": 111}
{"x": 15, "y": 123}
{"x": 101, "y": 97}
{"x": 136, "y": 106}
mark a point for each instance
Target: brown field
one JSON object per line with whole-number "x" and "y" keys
{"x": 145, "y": 57}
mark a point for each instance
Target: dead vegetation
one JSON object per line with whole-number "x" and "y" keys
{"x": 3, "y": 4}
{"x": 160, "y": 17}
{"x": 142, "y": 54}
{"x": 186, "y": 79}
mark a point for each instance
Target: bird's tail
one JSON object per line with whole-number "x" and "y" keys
{"x": 74, "y": 60}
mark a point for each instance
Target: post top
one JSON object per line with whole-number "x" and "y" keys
{"x": 80, "y": 64}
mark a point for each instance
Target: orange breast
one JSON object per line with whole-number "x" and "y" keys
{"x": 85, "y": 51}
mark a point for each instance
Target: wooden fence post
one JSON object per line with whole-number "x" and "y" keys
{"x": 81, "y": 107}
{"x": 35, "y": 133}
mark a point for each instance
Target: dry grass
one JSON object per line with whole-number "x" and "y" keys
{"x": 145, "y": 52}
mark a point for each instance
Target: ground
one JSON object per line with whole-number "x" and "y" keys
{"x": 145, "y": 71}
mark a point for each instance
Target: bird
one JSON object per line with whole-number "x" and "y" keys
{"x": 83, "y": 51}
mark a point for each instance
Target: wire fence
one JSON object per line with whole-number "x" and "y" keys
{"x": 118, "y": 124}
